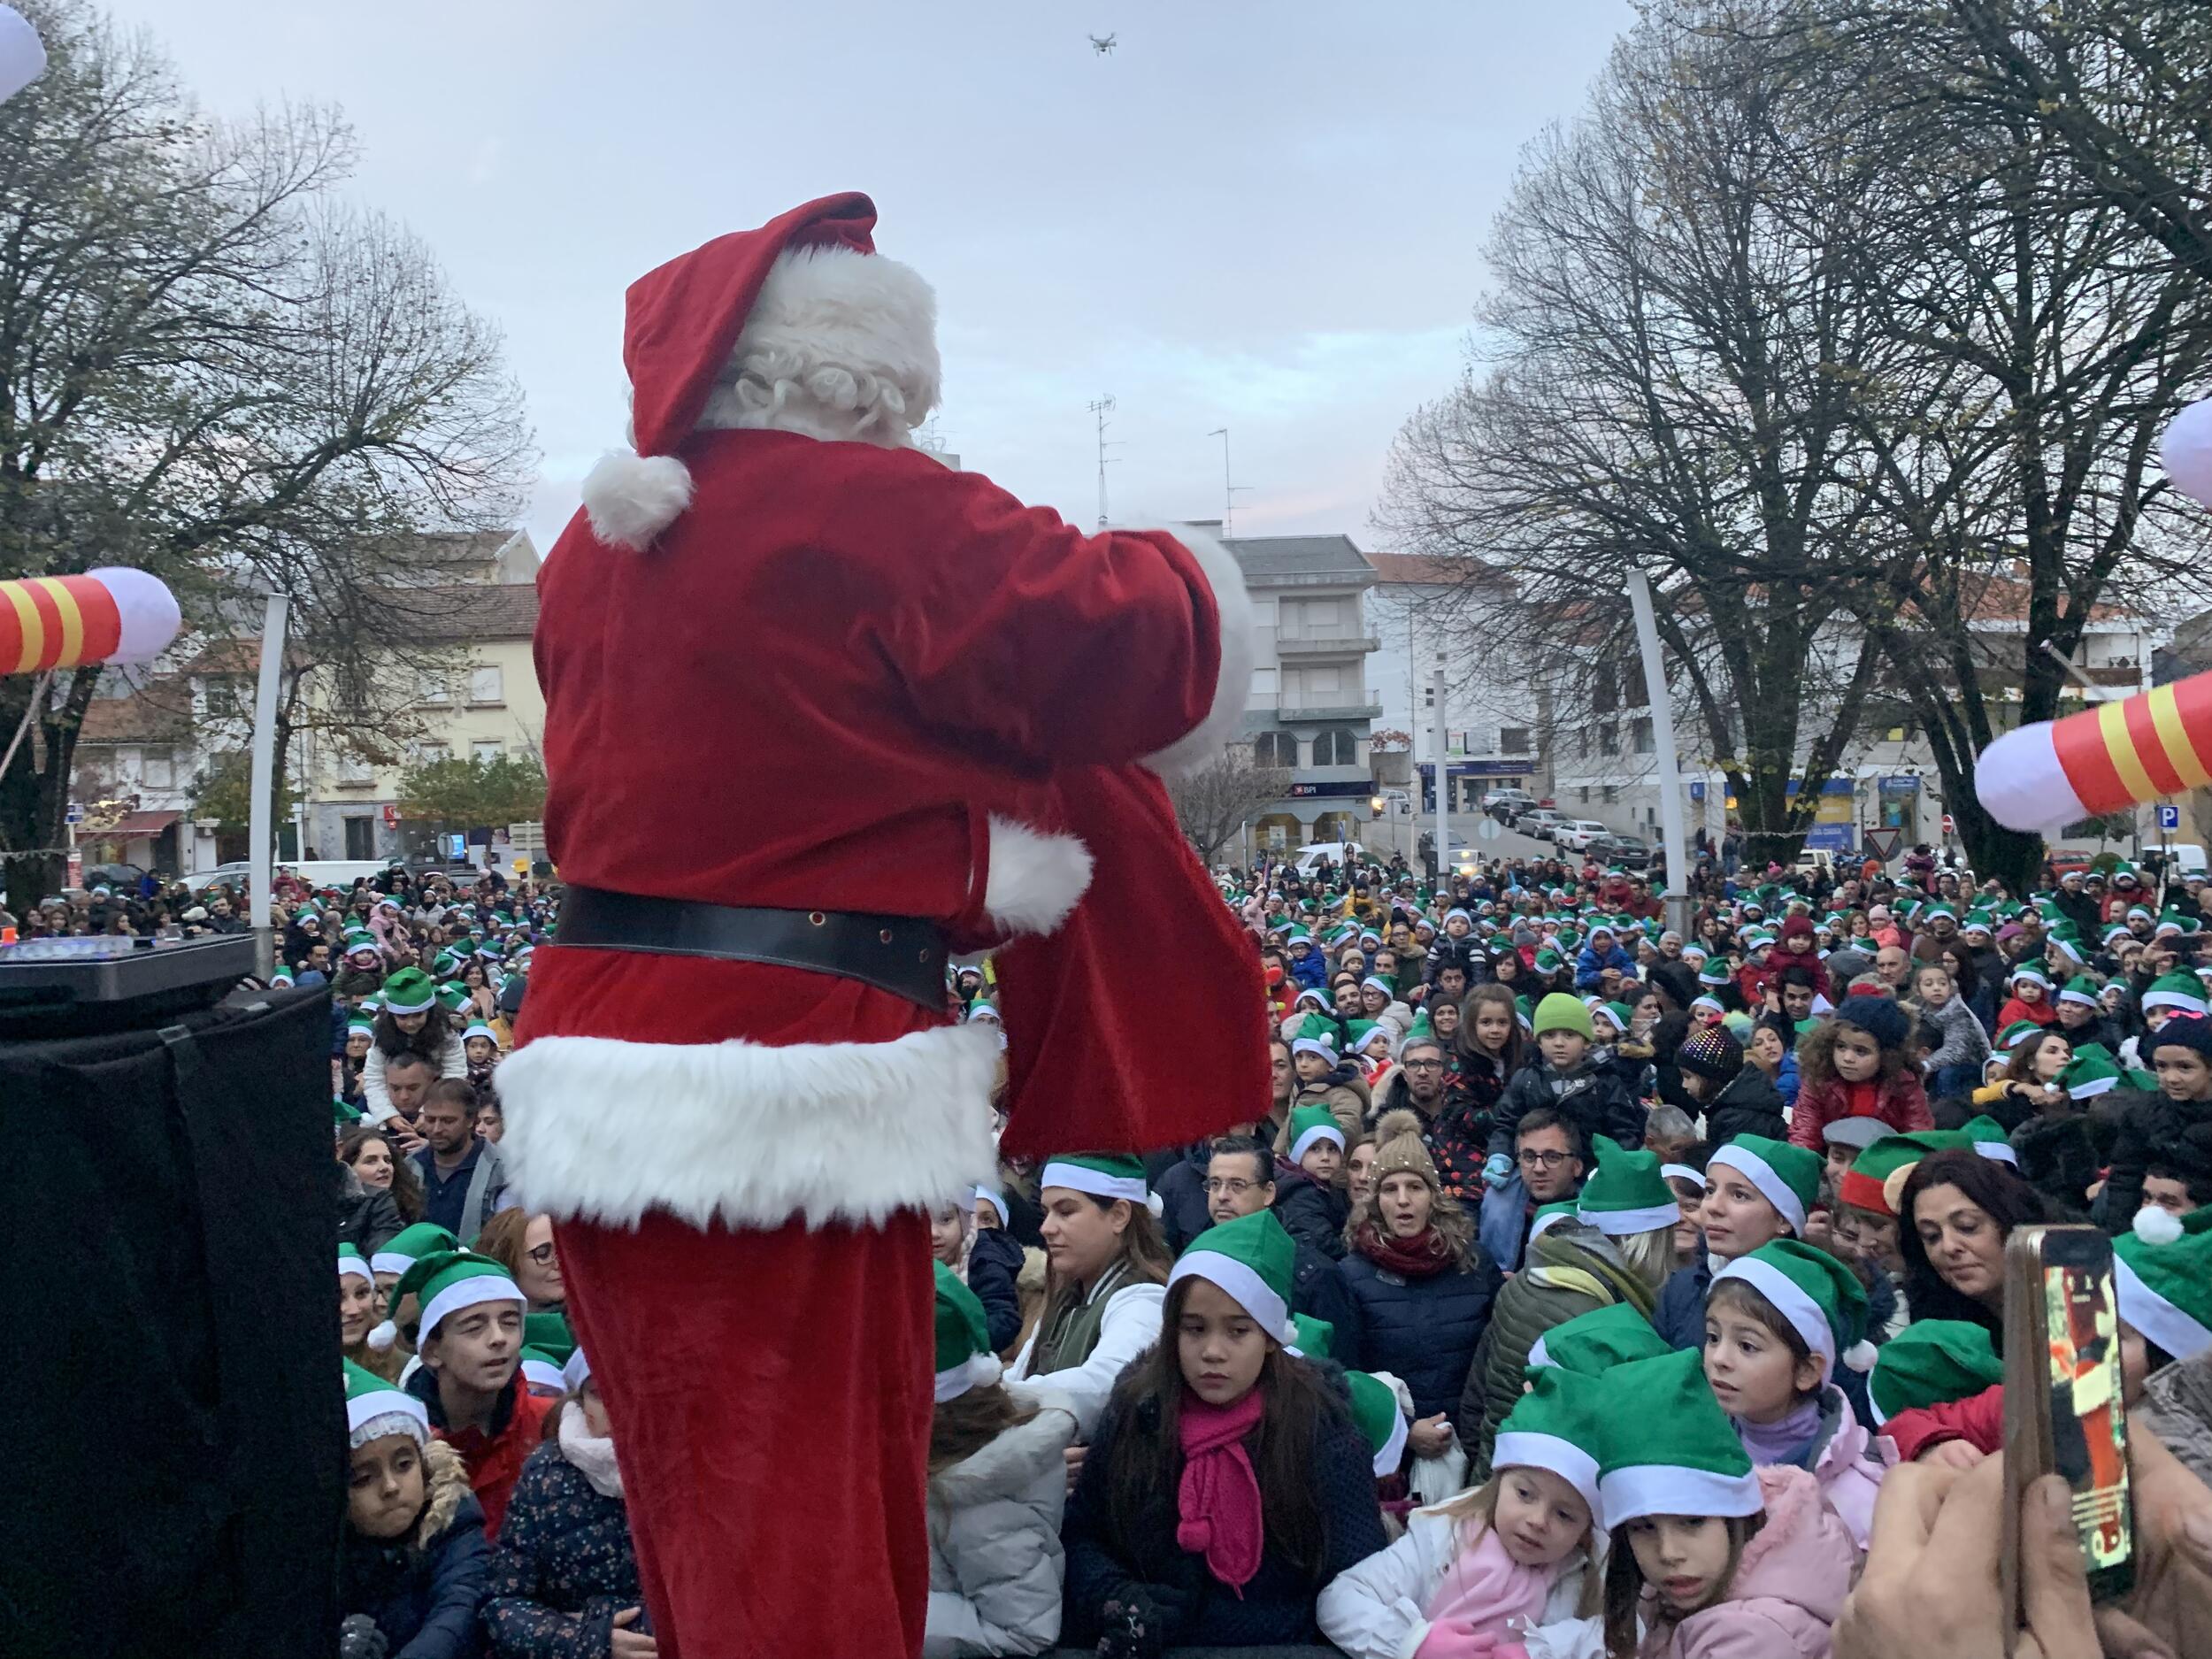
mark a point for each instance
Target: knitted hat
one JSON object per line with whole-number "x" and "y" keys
{"x": 1561, "y": 1012}
{"x": 1880, "y": 1017}
{"x": 1549, "y": 1215}
{"x": 350, "y": 1261}
{"x": 409, "y": 991}
{"x": 2183, "y": 1029}
{"x": 1627, "y": 1195}
{"x": 2183, "y": 992}
{"x": 1557, "y": 1426}
{"x": 402, "y": 1249}
{"x": 549, "y": 1334}
{"x": 1787, "y": 1177}
{"x": 1710, "y": 1052}
{"x": 1821, "y": 1298}
{"x": 2162, "y": 1274}
{"x": 445, "y": 1282}
{"x": 1310, "y": 1124}
{"x": 1108, "y": 1175}
{"x": 1669, "y": 1447}
{"x": 1251, "y": 1258}
{"x": 1400, "y": 1150}
{"x": 1380, "y": 1419}
{"x": 375, "y": 1408}
{"x": 964, "y": 1359}
{"x": 1932, "y": 1362}
{"x": 1594, "y": 1342}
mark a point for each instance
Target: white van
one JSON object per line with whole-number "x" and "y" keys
{"x": 336, "y": 872}
{"x": 1342, "y": 852}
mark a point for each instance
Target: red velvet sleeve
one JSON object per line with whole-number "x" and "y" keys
{"x": 1979, "y": 1421}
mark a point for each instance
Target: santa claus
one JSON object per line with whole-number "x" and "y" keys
{"x": 820, "y": 712}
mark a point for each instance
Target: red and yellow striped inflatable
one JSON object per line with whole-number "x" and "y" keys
{"x": 104, "y": 616}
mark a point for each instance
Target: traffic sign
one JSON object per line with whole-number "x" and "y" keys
{"x": 1950, "y": 825}
{"x": 1883, "y": 843}
{"x": 1697, "y": 789}
{"x": 1487, "y": 828}
{"x": 2169, "y": 818}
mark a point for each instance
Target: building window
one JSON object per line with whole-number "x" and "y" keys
{"x": 434, "y": 688}
{"x": 485, "y": 686}
{"x": 484, "y": 753}
{"x": 1639, "y": 735}
{"x": 1513, "y": 740}
{"x": 1275, "y": 748}
{"x": 360, "y": 837}
{"x": 158, "y": 770}
{"x": 1609, "y": 739}
{"x": 1582, "y": 743}
{"x": 1476, "y": 741}
{"x": 1585, "y": 795}
{"x": 1336, "y": 748}
{"x": 1612, "y": 793}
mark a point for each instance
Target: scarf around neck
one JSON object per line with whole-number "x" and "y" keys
{"x": 1486, "y": 1588}
{"x": 1789, "y": 1441}
{"x": 591, "y": 1455}
{"x": 1218, "y": 1501}
{"x": 1423, "y": 1256}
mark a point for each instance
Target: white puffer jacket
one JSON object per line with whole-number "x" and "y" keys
{"x": 994, "y": 1558}
{"x": 1374, "y": 1610}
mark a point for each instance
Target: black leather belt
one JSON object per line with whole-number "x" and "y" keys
{"x": 903, "y": 955}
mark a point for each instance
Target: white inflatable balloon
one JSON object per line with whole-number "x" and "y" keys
{"x": 22, "y": 58}
{"x": 2186, "y": 452}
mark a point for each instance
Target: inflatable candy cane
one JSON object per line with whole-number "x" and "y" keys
{"x": 105, "y": 616}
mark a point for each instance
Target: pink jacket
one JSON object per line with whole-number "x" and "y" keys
{"x": 1850, "y": 1469}
{"x": 1788, "y": 1588}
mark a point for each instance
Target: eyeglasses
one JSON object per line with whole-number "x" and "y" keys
{"x": 1533, "y": 1160}
{"x": 1423, "y": 1066}
{"x": 1229, "y": 1186}
{"x": 542, "y": 1254}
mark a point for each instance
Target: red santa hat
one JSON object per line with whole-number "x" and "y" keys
{"x": 807, "y": 290}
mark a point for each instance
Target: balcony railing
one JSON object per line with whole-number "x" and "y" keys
{"x": 1326, "y": 645}
{"x": 1354, "y": 703}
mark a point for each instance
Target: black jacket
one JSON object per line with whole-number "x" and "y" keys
{"x": 367, "y": 1218}
{"x": 1182, "y": 1190}
{"x": 994, "y": 1265}
{"x": 2150, "y": 1129}
{"x": 1750, "y": 1105}
{"x": 1138, "y": 1563}
{"x": 1595, "y": 1101}
{"x": 1311, "y": 1213}
{"x": 1422, "y": 1331}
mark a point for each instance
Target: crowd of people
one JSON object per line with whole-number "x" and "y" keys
{"x": 1583, "y": 1286}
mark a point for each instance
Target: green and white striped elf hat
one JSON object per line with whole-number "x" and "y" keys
{"x": 1311, "y": 1123}
{"x": 1557, "y": 1425}
{"x": 2082, "y": 989}
{"x": 1669, "y": 1450}
{"x": 1593, "y": 1342}
{"x": 965, "y": 1359}
{"x": 1787, "y": 1177}
{"x": 1627, "y": 1195}
{"x": 376, "y": 1408}
{"x": 409, "y": 991}
{"x": 2181, "y": 992}
{"x": 1380, "y": 1417}
{"x": 445, "y": 1282}
{"x": 1932, "y": 1362}
{"x": 1107, "y": 1175}
{"x": 2162, "y": 1274}
{"x": 403, "y": 1247}
{"x": 351, "y": 1262}
{"x": 1820, "y": 1297}
{"x": 1253, "y": 1261}
{"x": 2019, "y": 1031}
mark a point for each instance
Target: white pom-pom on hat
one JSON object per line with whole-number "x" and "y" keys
{"x": 1860, "y": 1356}
{"x": 383, "y": 1336}
{"x": 632, "y": 498}
{"x": 2154, "y": 1225}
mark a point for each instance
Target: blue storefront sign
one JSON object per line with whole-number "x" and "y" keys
{"x": 1480, "y": 768}
{"x": 1835, "y": 838}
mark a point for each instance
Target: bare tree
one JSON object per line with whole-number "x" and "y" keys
{"x": 1213, "y": 803}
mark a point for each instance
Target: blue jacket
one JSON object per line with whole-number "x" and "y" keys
{"x": 424, "y": 1592}
{"x": 1589, "y": 965}
{"x": 994, "y": 1268}
{"x": 1421, "y": 1331}
{"x": 563, "y": 1567}
{"x": 1680, "y": 1315}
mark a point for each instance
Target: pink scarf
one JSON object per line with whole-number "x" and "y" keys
{"x": 1218, "y": 1498}
{"x": 1486, "y": 1588}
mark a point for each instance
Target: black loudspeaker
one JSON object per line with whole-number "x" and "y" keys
{"x": 173, "y": 1437}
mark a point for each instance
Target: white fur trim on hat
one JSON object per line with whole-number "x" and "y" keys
{"x": 1644, "y": 1489}
{"x": 357, "y": 1268}
{"x": 2180, "y": 1333}
{"x": 1561, "y": 1457}
{"x": 1080, "y": 1178}
{"x": 1622, "y": 1223}
{"x": 1319, "y": 1131}
{"x": 1760, "y": 1173}
{"x": 977, "y": 1370}
{"x": 1790, "y": 1300}
{"x": 576, "y": 1372}
{"x": 1201, "y": 745}
{"x": 1392, "y": 1451}
{"x": 543, "y": 1373}
{"x": 1035, "y": 876}
{"x": 373, "y": 1416}
{"x": 1683, "y": 1172}
{"x": 1244, "y": 1286}
{"x": 472, "y": 1292}
{"x": 630, "y": 498}
{"x": 748, "y": 1133}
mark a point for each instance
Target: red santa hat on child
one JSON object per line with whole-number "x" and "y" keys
{"x": 808, "y": 286}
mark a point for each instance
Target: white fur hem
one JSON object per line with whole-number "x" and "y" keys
{"x": 747, "y": 1134}
{"x": 632, "y": 498}
{"x": 1035, "y": 878}
{"x": 1204, "y": 742}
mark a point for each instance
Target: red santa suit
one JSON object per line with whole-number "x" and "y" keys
{"x": 786, "y": 669}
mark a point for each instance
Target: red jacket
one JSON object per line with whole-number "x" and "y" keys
{"x": 2042, "y": 1013}
{"x": 1979, "y": 1421}
{"x": 494, "y": 1461}
{"x": 1898, "y": 1101}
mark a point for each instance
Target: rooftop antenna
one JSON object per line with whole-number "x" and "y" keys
{"x": 1102, "y": 408}
{"x": 1229, "y": 491}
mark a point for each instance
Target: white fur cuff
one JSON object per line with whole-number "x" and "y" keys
{"x": 1035, "y": 878}
{"x": 632, "y": 498}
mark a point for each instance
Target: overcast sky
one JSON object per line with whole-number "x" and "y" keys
{"x": 1262, "y": 216}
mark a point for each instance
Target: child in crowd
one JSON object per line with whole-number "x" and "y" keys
{"x": 412, "y": 1563}
{"x": 2174, "y": 1123}
{"x": 998, "y": 1481}
{"x": 412, "y": 1021}
{"x": 1738, "y": 1099}
{"x": 1858, "y": 1064}
{"x": 2029, "y": 999}
{"x": 1477, "y": 1571}
{"x": 1779, "y": 1322}
{"x": 1955, "y": 1063}
{"x": 1709, "y": 1556}
{"x": 1756, "y": 1190}
{"x": 1564, "y": 1078}
{"x": 993, "y": 1269}
{"x": 1309, "y": 1200}
{"x": 1323, "y": 1082}
{"x": 479, "y": 1049}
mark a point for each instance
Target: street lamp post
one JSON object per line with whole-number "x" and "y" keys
{"x": 1678, "y": 894}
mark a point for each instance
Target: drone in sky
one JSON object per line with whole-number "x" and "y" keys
{"x": 1103, "y": 43}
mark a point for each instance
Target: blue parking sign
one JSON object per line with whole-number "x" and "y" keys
{"x": 1697, "y": 790}
{"x": 2170, "y": 817}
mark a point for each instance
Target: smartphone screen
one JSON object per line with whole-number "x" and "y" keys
{"x": 2087, "y": 1416}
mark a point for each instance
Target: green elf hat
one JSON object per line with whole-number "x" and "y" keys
{"x": 1977, "y": 921}
{"x": 1317, "y": 1036}
{"x": 376, "y": 1408}
{"x": 1380, "y": 1418}
{"x": 353, "y": 1262}
{"x": 1592, "y": 1343}
{"x": 282, "y": 976}
{"x": 1548, "y": 961}
{"x": 444, "y": 1282}
{"x": 1317, "y": 1338}
{"x": 2116, "y": 932}
{"x": 452, "y": 998}
{"x": 1310, "y": 1124}
{"x": 2082, "y": 989}
{"x": 1715, "y": 972}
{"x": 1557, "y": 1426}
{"x": 1821, "y": 1298}
{"x": 2019, "y": 1031}
{"x": 1107, "y": 1175}
{"x": 409, "y": 991}
{"x": 2183, "y": 993}
{"x": 2065, "y": 938}
{"x": 1627, "y": 1195}
{"x": 542, "y": 1372}
{"x": 1549, "y": 1215}
{"x": 1930, "y": 1362}
{"x": 1986, "y": 1136}
{"x": 1787, "y": 1177}
{"x": 2161, "y": 1275}
{"x": 965, "y": 1359}
{"x": 549, "y": 1334}
{"x": 2092, "y": 1071}
{"x": 404, "y": 1248}
{"x": 346, "y": 1116}
{"x": 360, "y": 1027}
{"x": 1669, "y": 1447}
{"x": 1873, "y": 1176}
{"x": 1253, "y": 1260}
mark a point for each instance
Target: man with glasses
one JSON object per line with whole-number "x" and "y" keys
{"x": 1240, "y": 1181}
{"x": 1548, "y": 1155}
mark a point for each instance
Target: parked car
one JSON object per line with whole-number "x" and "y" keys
{"x": 1539, "y": 822}
{"x": 1575, "y": 833}
{"x": 234, "y": 873}
{"x": 1630, "y": 852}
{"x": 1505, "y": 804}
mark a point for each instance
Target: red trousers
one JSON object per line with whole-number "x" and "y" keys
{"x": 770, "y": 1401}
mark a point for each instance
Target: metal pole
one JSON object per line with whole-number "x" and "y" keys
{"x": 1443, "y": 792}
{"x": 1677, "y": 893}
{"x": 260, "y": 822}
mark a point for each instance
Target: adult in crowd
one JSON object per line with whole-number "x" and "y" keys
{"x": 1240, "y": 1180}
{"x": 523, "y": 1245}
{"x": 1549, "y": 1161}
{"x": 463, "y": 1181}
{"x": 1957, "y": 1211}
